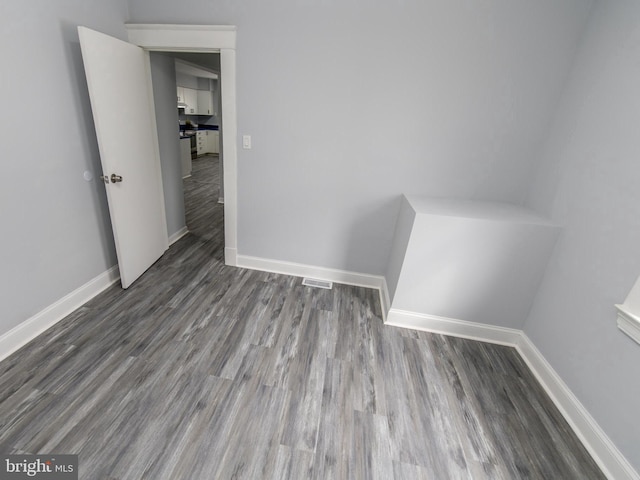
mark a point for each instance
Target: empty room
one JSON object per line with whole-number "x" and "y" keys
{"x": 345, "y": 239}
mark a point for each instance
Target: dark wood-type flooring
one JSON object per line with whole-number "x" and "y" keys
{"x": 203, "y": 371}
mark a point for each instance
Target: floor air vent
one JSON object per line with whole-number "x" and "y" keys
{"x": 314, "y": 282}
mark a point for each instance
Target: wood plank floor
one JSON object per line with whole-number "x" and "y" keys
{"x": 203, "y": 371}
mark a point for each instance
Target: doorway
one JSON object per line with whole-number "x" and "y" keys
{"x": 198, "y": 115}
{"x": 207, "y": 39}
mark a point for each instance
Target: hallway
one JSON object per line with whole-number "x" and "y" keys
{"x": 205, "y": 216}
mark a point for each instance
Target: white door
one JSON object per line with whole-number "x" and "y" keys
{"x": 124, "y": 118}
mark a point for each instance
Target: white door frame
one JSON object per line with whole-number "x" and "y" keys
{"x": 207, "y": 39}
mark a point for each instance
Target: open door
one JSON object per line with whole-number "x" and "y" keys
{"x": 123, "y": 114}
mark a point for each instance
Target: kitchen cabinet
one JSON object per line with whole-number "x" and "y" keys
{"x": 191, "y": 99}
{"x": 205, "y": 102}
{"x": 198, "y": 102}
{"x": 201, "y": 143}
{"x": 208, "y": 141}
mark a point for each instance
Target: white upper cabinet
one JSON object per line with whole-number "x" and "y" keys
{"x": 191, "y": 99}
{"x": 205, "y": 102}
{"x": 196, "y": 87}
{"x": 198, "y": 102}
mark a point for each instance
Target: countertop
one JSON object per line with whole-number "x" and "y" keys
{"x": 188, "y": 133}
{"x": 184, "y": 128}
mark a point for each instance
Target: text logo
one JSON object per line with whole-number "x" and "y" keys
{"x": 40, "y": 467}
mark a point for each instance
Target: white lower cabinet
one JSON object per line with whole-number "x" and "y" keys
{"x": 201, "y": 142}
{"x": 208, "y": 141}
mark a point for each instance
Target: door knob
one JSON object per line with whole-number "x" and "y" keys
{"x": 115, "y": 178}
{"x": 105, "y": 178}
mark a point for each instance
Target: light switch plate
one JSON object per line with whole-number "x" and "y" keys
{"x": 246, "y": 141}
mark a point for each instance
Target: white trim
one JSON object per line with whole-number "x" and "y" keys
{"x": 207, "y": 38}
{"x": 26, "y": 331}
{"x": 178, "y": 235}
{"x": 613, "y": 464}
{"x": 229, "y": 147}
{"x": 302, "y": 270}
{"x": 231, "y": 256}
{"x": 182, "y": 37}
{"x": 628, "y": 322}
{"x": 321, "y": 273}
{"x": 453, "y": 327}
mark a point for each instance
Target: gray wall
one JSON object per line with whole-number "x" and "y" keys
{"x": 588, "y": 181}
{"x": 56, "y": 233}
{"x": 352, "y": 103}
{"x": 163, "y": 76}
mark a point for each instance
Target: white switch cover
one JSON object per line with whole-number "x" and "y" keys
{"x": 246, "y": 141}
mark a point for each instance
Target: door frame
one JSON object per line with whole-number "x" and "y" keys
{"x": 206, "y": 39}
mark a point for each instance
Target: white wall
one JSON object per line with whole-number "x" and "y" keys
{"x": 401, "y": 238}
{"x": 56, "y": 233}
{"x": 352, "y": 103}
{"x": 466, "y": 260}
{"x": 163, "y": 75}
{"x": 588, "y": 181}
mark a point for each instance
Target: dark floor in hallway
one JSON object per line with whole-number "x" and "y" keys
{"x": 203, "y": 371}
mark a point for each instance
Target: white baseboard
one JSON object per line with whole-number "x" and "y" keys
{"x": 178, "y": 235}
{"x": 613, "y": 464}
{"x": 330, "y": 274}
{"x": 453, "y": 327}
{"x": 628, "y": 322}
{"x": 302, "y": 270}
{"x": 26, "y": 331}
